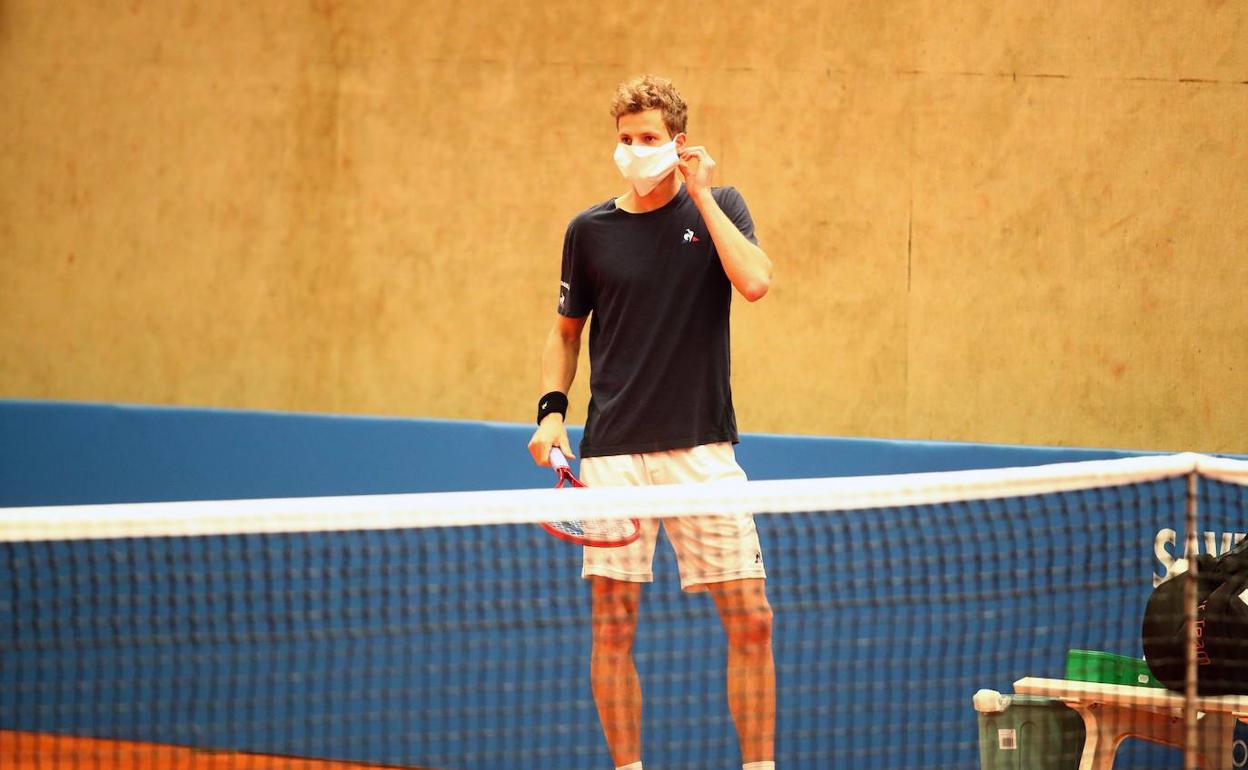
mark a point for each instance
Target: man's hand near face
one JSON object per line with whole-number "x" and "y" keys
{"x": 698, "y": 168}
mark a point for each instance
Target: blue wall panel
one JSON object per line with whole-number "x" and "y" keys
{"x": 54, "y": 453}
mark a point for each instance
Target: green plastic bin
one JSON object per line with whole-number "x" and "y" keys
{"x": 1027, "y": 732}
{"x": 1108, "y": 668}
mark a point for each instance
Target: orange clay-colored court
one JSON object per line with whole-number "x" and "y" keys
{"x": 41, "y": 751}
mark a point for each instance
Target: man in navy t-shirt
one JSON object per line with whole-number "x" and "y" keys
{"x": 655, "y": 269}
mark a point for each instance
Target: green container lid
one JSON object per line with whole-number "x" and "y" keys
{"x": 1108, "y": 668}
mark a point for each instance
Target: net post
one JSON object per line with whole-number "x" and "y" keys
{"x": 1191, "y": 737}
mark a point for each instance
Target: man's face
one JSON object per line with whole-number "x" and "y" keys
{"x": 645, "y": 129}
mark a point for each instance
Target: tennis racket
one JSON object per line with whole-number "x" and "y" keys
{"x": 600, "y": 533}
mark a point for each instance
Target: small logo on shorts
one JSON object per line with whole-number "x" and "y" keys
{"x": 758, "y": 557}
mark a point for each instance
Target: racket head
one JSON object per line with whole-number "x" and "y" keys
{"x": 597, "y": 533}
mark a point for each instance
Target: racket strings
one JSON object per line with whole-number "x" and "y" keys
{"x": 597, "y": 529}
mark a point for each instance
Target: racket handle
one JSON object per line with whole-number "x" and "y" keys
{"x": 557, "y": 459}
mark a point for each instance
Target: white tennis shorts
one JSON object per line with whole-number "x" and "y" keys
{"x": 710, "y": 548}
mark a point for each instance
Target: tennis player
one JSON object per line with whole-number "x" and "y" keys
{"x": 656, "y": 268}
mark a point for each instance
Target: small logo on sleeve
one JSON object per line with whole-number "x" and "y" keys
{"x": 690, "y": 237}
{"x": 564, "y": 288}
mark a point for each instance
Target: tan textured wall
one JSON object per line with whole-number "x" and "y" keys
{"x": 998, "y": 221}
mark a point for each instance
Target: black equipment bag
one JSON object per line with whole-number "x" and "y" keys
{"x": 1222, "y": 626}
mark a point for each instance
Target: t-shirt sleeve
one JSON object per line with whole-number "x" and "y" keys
{"x": 734, "y": 206}
{"x": 576, "y": 291}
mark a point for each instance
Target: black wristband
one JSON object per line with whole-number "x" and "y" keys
{"x": 552, "y": 402}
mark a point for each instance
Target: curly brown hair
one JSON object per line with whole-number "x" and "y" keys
{"x": 650, "y": 92}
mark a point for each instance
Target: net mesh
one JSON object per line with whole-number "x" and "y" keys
{"x": 449, "y": 631}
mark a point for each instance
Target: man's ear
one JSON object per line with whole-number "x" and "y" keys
{"x": 681, "y": 140}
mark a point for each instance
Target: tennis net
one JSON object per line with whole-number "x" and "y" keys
{"x": 447, "y": 631}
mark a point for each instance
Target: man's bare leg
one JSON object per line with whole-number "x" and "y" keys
{"x": 746, "y": 616}
{"x": 612, "y": 673}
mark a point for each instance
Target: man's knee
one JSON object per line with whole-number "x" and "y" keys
{"x": 749, "y": 627}
{"x": 746, "y": 614}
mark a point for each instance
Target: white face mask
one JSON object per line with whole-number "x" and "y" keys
{"x": 644, "y": 167}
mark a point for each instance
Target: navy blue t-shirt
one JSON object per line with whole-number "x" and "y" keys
{"x": 658, "y": 340}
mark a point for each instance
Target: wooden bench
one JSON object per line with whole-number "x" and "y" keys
{"x": 1112, "y": 712}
